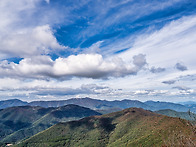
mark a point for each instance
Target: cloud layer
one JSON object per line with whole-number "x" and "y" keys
{"x": 111, "y": 49}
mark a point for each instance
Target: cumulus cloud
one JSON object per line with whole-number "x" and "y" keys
{"x": 35, "y": 67}
{"x": 19, "y": 36}
{"x": 180, "y": 67}
{"x": 169, "y": 82}
{"x": 39, "y": 40}
{"x": 82, "y": 65}
{"x": 157, "y": 70}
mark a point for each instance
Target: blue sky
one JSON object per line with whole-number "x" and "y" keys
{"x": 143, "y": 50}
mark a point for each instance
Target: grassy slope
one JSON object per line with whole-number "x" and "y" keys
{"x": 130, "y": 127}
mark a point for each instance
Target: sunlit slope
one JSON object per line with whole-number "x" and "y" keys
{"x": 130, "y": 127}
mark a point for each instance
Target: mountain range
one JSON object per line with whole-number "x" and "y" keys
{"x": 17, "y": 123}
{"x": 129, "y": 127}
{"x": 105, "y": 105}
{"x": 21, "y": 122}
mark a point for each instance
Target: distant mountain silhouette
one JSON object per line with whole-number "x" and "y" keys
{"x": 104, "y": 105}
{"x": 12, "y": 103}
{"x": 92, "y": 103}
{"x": 167, "y": 105}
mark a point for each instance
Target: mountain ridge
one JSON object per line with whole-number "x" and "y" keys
{"x": 20, "y": 122}
{"x": 12, "y": 103}
{"x": 129, "y": 127}
{"x": 97, "y": 104}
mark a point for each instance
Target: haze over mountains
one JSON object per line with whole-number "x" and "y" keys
{"x": 103, "y": 104}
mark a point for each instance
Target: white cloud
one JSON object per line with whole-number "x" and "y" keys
{"x": 25, "y": 34}
{"x": 56, "y": 90}
{"x": 11, "y": 13}
{"x": 20, "y": 38}
{"x": 82, "y": 65}
{"x": 94, "y": 66}
{"x": 39, "y": 40}
{"x": 173, "y": 43}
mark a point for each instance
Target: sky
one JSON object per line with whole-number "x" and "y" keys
{"x": 112, "y": 50}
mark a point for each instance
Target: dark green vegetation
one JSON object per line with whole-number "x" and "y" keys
{"x": 130, "y": 127}
{"x": 105, "y": 106}
{"x": 184, "y": 115}
{"x": 17, "y": 123}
